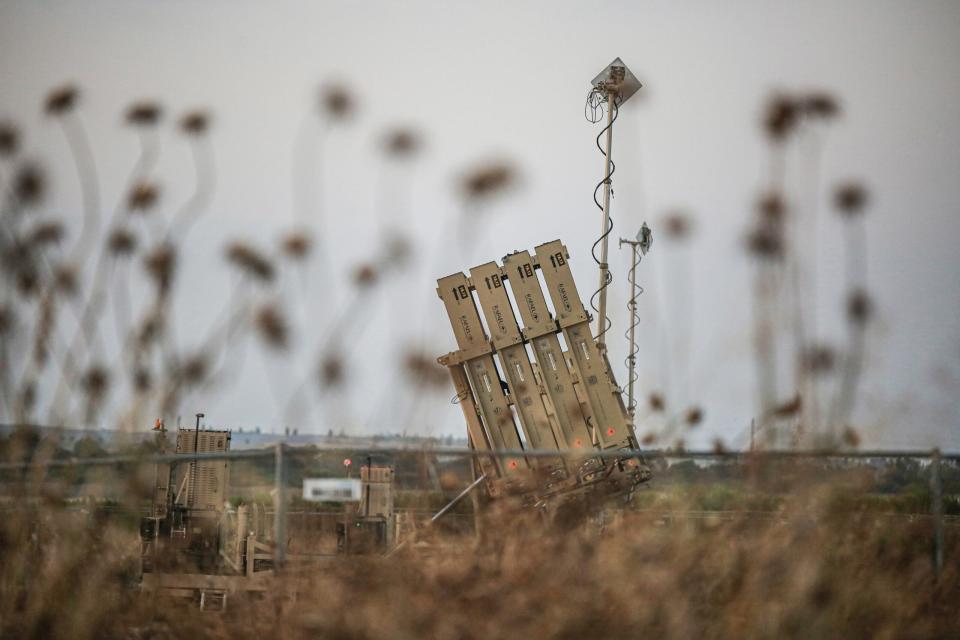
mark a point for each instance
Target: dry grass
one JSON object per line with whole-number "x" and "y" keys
{"x": 809, "y": 570}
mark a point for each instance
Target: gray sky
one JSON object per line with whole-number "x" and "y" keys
{"x": 508, "y": 80}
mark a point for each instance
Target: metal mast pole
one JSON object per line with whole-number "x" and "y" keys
{"x": 604, "y": 231}
{"x": 279, "y": 509}
{"x": 613, "y": 86}
{"x": 638, "y": 247}
{"x": 192, "y": 498}
{"x": 632, "y": 374}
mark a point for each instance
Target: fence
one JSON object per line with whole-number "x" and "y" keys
{"x": 282, "y": 455}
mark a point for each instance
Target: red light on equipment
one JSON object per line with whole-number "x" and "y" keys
{"x": 611, "y": 431}
{"x": 513, "y": 464}
{"x": 578, "y": 443}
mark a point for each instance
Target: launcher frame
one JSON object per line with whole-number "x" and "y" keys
{"x": 562, "y": 400}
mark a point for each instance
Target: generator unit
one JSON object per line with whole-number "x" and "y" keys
{"x": 372, "y": 528}
{"x": 193, "y": 544}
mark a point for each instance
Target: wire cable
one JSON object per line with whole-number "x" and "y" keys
{"x": 593, "y": 112}
{"x": 634, "y": 349}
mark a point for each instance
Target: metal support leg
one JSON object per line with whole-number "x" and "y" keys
{"x": 460, "y": 496}
{"x": 251, "y": 551}
{"x": 279, "y": 510}
{"x": 936, "y": 508}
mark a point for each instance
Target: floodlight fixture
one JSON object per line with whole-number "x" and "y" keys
{"x": 617, "y": 79}
{"x": 644, "y": 238}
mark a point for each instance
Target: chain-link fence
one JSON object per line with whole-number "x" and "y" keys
{"x": 427, "y": 488}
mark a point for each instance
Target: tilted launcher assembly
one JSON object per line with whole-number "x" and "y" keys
{"x": 564, "y": 400}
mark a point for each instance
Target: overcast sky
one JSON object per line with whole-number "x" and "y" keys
{"x": 508, "y": 80}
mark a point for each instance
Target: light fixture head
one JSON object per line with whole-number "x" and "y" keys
{"x": 644, "y": 238}
{"x": 618, "y": 79}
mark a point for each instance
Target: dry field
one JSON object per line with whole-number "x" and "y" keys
{"x": 810, "y": 566}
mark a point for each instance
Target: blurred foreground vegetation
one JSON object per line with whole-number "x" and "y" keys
{"x": 820, "y": 561}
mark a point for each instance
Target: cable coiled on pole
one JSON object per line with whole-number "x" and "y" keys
{"x": 593, "y": 111}
{"x": 631, "y": 360}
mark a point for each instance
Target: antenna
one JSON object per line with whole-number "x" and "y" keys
{"x": 193, "y": 466}
{"x": 639, "y": 247}
{"x": 611, "y": 87}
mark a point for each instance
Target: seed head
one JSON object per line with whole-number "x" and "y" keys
{"x": 160, "y": 265}
{"x": 820, "y": 105}
{"x": 142, "y": 381}
{"x": 365, "y": 275}
{"x": 819, "y": 359}
{"x": 142, "y": 197}
{"x": 336, "y": 102}
{"x": 677, "y": 225}
{"x": 44, "y": 328}
{"x": 150, "y": 328}
{"x": 272, "y": 327}
{"x": 780, "y": 118}
{"x": 488, "y": 180}
{"x": 194, "y": 369}
{"x": 195, "y": 123}
{"x": 401, "y": 143}
{"x": 656, "y": 401}
{"x": 397, "y": 250}
{"x": 121, "y": 242}
{"x": 331, "y": 371}
{"x": 649, "y": 438}
{"x": 143, "y": 114}
{"x": 425, "y": 369}
{"x": 850, "y": 198}
{"x": 296, "y": 245}
{"x": 46, "y": 233}
{"x": 771, "y": 207}
{"x": 9, "y": 139}
{"x": 95, "y": 382}
{"x": 765, "y": 241}
{"x": 693, "y": 417}
{"x": 719, "y": 447}
{"x": 859, "y": 307}
{"x": 851, "y": 438}
{"x": 29, "y": 184}
{"x": 65, "y": 278}
{"x": 28, "y": 279}
{"x": 18, "y": 257}
{"x": 789, "y": 408}
{"x": 250, "y": 261}
{"x": 61, "y": 100}
{"x": 28, "y": 396}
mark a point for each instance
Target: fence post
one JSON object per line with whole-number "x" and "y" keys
{"x": 936, "y": 508}
{"x": 279, "y": 510}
